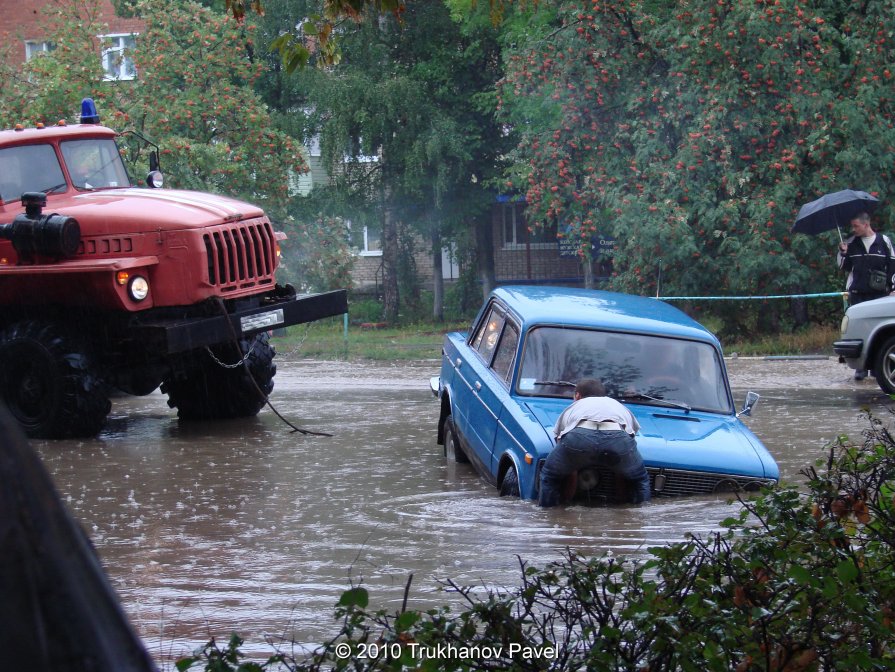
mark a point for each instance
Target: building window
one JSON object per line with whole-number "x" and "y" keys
{"x": 36, "y": 47}
{"x": 116, "y": 57}
{"x": 515, "y": 229}
{"x": 372, "y": 243}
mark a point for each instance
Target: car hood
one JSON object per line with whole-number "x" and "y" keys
{"x": 135, "y": 210}
{"x": 693, "y": 441}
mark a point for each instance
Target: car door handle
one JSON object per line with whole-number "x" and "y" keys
{"x": 478, "y": 385}
{"x": 459, "y": 361}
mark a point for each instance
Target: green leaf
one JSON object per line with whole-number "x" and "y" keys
{"x": 355, "y": 597}
{"x": 406, "y": 620}
{"x": 847, "y": 571}
{"x": 800, "y": 575}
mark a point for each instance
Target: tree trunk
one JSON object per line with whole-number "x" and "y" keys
{"x": 437, "y": 276}
{"x": 390, "y": 298}
{"x": 484, "y": 252}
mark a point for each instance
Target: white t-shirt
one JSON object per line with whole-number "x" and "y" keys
{"x": 597, "y": 409}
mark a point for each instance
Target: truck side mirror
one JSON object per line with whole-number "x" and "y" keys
{"x": 155, "y": 179}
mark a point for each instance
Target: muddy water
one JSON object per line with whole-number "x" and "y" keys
{"x": 247, "y": 526}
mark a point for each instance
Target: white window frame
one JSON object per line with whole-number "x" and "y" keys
{"x": 117, "y": 64}
{"x": 511, "y": 216}
{"x": 37, "y": 47}
{"x": 367, "y": 252}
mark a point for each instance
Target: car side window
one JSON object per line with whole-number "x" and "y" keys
{"x": 506, "y": 351}
{"x": 485, "y": 340}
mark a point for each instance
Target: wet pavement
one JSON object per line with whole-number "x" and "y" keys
{"x": 247, "y": 526}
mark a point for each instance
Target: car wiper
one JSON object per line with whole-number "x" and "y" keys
{"x": 639, "y": 396}
{"x": 54, "y": 188}
{"x": 560, "y": 383}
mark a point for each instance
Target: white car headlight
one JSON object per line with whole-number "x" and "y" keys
{"x": 844, "y": 325}
{"x": 138, "y": 288}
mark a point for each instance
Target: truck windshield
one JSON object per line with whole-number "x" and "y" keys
{"x": 635, "y": 368}
{"x": 29, "y": 168}
{"x": 94, "y": 163}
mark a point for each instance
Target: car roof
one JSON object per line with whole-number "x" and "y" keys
{"x": 597, "y": 308}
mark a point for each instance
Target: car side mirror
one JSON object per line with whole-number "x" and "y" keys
{"x": 751, "y": 399}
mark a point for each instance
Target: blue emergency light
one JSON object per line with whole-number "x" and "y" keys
{"x": 89, "y": 115}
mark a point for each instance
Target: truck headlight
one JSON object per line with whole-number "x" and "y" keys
{"x": 138, "y": 288}
{"x": 844, "y": 325}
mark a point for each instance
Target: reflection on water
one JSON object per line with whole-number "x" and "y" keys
{"x": 245, "y": 526}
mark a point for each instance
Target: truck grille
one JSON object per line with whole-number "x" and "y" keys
{"x": 599, "y": 485}
{"x": 240, "y": 255}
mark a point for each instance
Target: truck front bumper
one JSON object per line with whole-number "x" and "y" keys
{"x": 279, "y": 309}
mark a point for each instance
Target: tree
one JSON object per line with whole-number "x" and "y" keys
{"x": 407, "y": 132}
{"x": 695, "y": 133}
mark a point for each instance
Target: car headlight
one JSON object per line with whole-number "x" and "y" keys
{"x": 138, "y": 288}
{"x": 844, "y": 325}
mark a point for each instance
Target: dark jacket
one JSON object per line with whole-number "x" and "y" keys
{"x": 860, "y": 262}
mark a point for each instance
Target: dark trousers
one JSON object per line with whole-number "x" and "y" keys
{"x": 580, "y": 448}
{"x": 861, "y": 297}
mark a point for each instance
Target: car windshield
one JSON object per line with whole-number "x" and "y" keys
{"x": 634, "y": 368}
{"x": 95, "y": 163}
{"x": 29, "y": 168}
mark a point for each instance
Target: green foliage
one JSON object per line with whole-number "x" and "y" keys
{"x": 367, "y": 310}
{"x": 318, "y": 257}
{"x": 800, "y": 579}
{"x": 695, "y": 132}
{"x": 406, "y": 126}
{"x": 197, "y": 69}
{"x": 227, "y": 659}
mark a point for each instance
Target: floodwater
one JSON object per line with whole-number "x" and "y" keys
{"x": 247, "y": 526}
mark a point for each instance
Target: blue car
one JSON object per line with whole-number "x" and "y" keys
{"x": 503, "y": 385}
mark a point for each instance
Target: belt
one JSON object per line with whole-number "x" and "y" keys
{"x": 605, "y": 426}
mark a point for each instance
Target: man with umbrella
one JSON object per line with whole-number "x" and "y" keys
{"x": 867, "y": 257}
{"x": 869, "y": 260}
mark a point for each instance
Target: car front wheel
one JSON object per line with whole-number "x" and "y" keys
{"x": 884, "y": 366}
{"x": 509, "y": 486}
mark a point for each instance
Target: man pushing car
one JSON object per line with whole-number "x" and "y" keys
{"x": 595, "y": 431}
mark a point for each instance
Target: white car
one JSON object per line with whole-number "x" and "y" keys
{"x": 868, "y": 340}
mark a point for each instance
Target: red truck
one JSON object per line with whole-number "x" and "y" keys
{"x": 105, "y": 286}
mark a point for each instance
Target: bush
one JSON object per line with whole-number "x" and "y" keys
{"x": 366, "y": 310}
{"x": 800, "y": 579}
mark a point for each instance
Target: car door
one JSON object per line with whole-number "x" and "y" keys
{"x": 487, "y": 390}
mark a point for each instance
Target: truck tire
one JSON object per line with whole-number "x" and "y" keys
{"x": 203, "y": 389}
{"x": 49, "y": 384}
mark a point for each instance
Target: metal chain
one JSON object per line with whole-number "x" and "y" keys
{"x": 300, "y": 343}
{"x": 237, "y": 364}
{"x": 294, "y": 350}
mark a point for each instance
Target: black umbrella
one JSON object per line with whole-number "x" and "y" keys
{"x": 831, "y": 211}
